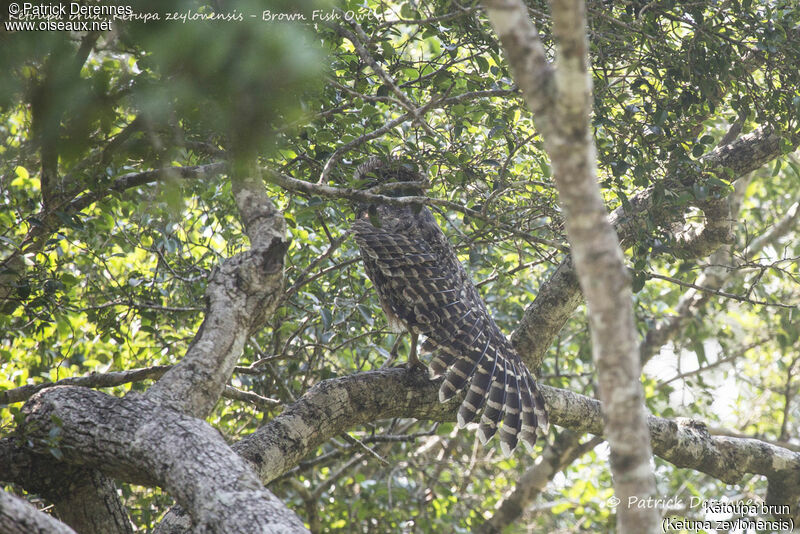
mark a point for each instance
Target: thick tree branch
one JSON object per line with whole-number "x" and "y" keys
{"x": 595, "y": 249}
{"x": 141, "y": 441}
{"x": 60, "y": 68}
{"x": 337, "y": 404}
{"x": 241, "y": 293}
{"x": 543, "y": 319}
{"x": 18, "y": 516}
{"x": 559, "y": 296}
{"x": 88, "y": 502}
{"x": 83, "y": 497}
{"x": 721, "y": 269}
{"x": 698, "y": 241}
{"x": 747, "y": 153}
{"x": 334, "y": 406}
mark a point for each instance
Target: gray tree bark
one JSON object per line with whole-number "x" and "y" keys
{"x": 17, "y": 516}
{"x": 82, "y": 497}
{"x": 138, "y": 440}
{"x": 241, "y": 293}
{"x": 147, "y": 450}
{"x": 561, "y": 98}
{"x": 337, "y": 404}
{"x": 156, "y": 439}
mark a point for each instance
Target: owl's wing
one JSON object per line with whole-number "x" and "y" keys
{"x": 418, "y": 275}
{"x": 411, "y": 277}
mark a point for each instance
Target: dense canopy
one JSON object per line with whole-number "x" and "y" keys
{"x": 146, "y": 173}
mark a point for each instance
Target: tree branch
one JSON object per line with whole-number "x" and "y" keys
{"x": 402, "y": 98}
{"x": 713, "y": 278}
{"x": 141, "y": 441}
{"x": 335, "y": 405}
{"x": 17, "y": 516}
{"x": 698, "y": 241}
{"x": 566, "y": 130}
{"x": 560, "y": 295}
{"x": 360, "y": 195}
{"x": 95, "y": 380}
{"x": 241, "y": 293}
{"x": 117, "y": 378}
{"x": 83, "y": 497}
{"x": 555, "y": 458}
{"x": 14, "y": 267}
{"x": 136, "y": 179}
{"x": 338, "y": 404}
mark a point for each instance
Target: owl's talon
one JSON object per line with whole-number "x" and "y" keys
{"x": 419, "y": 364}
{"x": 413, "y": 359}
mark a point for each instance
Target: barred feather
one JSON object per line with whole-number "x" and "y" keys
{"x": 423, "y": 286}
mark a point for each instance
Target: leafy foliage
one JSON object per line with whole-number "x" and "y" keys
{"x": 97, "y": 278}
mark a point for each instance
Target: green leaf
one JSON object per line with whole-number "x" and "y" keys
{"x": 326, "y": 317}
{"x": 639, "y": 279}
{"x": 366, "y": 313}
{"x": 21, "y": 172}
{"x": 707, "y": 139}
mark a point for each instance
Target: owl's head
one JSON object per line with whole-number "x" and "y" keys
{"x": 379, "y": 171}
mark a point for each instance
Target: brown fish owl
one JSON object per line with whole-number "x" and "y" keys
{"x": 424, "y": 289}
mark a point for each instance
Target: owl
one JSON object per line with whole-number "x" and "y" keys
{"x": 424, "y": 290}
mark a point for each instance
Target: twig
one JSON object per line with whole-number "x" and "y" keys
{"x": 262, "y": 403}
{"x": 327, "y": 191}
{"x": 403, "y": 99}
{"x": 360, "y": 444}
{"x": 720, "y": 293}
{"x": 94, "y": 380}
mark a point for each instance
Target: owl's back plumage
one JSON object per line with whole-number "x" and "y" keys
{"x": 423, "y": 286}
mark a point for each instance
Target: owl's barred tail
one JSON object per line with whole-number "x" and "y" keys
{"x": 502, "y": 389}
